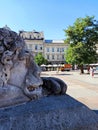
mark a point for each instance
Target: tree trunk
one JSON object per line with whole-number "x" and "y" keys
{"x": 81, "y": 69}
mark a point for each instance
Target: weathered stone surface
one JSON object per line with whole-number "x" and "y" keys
{"x": 49, "y": 113}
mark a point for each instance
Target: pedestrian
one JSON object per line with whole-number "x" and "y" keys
{"x": 88, "y": 69}
{"x": 92, "y": 71}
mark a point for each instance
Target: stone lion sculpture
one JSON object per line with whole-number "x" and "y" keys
{"x": 20, "y": 79}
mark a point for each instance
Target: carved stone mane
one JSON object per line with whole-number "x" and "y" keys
{"x": 18, "y": 72}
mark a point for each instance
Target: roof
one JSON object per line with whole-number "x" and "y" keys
{"x": 54, "y": 41}
{"x": 48, "y": 41}
{"x": 34, "y": 35}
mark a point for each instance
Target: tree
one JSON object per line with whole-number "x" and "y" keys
{"x": 39, "y": 59}
{"x": 82, "y": 38}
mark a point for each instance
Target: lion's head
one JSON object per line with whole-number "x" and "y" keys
{"x": 17, "y": 66}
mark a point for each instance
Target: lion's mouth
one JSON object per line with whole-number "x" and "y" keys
{"x": 30, "y": 88}
{"x": 34, "y": 92}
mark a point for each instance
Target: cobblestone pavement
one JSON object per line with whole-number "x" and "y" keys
{"x": 83, "y": 88}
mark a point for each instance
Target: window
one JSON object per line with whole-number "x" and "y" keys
{"x": 63, "y": 57}
{"x": 62, "y": 49}
{"x": 52, "y": 57}
{"x": 38, "y": 36}
{"x": 47, "y": 49}
{"x": 30, "y": 37}
{"x": 48, "y": 57}
{"x": 57, "y": 49}
{"x": 41, "y": 48}
{"x": 52, "y": 49}
{"x": 36, "y": 47}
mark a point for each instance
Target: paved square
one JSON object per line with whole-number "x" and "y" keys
{"x": 83, "y": 88}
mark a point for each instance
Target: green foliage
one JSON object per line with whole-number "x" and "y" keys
{"x": 82, "y": 37}
{"x": 69, "y": 55}
{"x": 39, "y": 59}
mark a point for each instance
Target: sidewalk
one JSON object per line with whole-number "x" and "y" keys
{"x": 83, "y": 88}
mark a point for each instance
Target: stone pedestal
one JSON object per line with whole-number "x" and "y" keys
{"x": 49, "y": 113}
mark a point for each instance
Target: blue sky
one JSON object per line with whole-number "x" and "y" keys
{"x": 49, "y": 16}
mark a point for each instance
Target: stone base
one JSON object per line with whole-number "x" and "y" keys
{"x": 11, "y": 95}
{"x": 49, "y": 113}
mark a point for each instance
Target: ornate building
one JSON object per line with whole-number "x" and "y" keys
{"x": 34, "y": 41}
{"x": 52, "y": 50}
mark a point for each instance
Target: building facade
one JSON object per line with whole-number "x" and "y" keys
{"x": 52, "y": 50}
{"x": 34, "y": 41}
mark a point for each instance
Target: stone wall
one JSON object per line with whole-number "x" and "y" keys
{"x": 49, "y": 113}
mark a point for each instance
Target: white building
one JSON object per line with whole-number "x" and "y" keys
{"x": 52, "y": 50}
{"x": 34, "y": 40}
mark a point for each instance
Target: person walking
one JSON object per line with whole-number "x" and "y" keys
{"x": 92, "y": 71}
